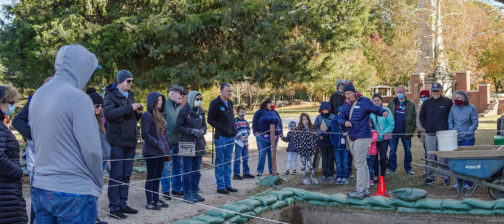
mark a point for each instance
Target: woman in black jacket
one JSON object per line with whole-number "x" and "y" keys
{"x": 192, "y": 127}
{"x": 12, "y": 203}
{"x": 155, "y": 148}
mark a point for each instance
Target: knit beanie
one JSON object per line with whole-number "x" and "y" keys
{"x": 349, "y": 86}
{"x": 95, "y": 97}
{"x": 123, "y": 75}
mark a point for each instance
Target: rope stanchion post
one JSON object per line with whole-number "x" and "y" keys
{"x": 273, "y": 149}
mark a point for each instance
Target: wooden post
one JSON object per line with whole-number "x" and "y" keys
{"x": 273, "y": 149}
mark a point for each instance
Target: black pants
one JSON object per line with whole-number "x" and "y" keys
{"x": 154, "y": 171}
{"x": 327, "y": 161}
{"x": 380, "y": 165}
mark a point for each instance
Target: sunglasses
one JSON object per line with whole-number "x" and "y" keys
{"x": 97, "y": 106}
{"x": 435, "y": 91}
{"x": 196, "y": 99}
{"x": 129, "y": 81}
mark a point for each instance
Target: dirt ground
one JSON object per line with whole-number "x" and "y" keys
{"x": 181, "y": 210}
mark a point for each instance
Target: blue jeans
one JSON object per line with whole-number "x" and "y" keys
{"x": 177, "y": 170}
{"x": 469, "y": 142}
{"x": 154, "y": 170}
{"x": 241, "y": 153}
{"x": 120, "y": 173}
{"x": 342, "y": 163}
{"x": 223, "y": 154}
{"x": 166, "y": 178}
{"x": 371, "y": 161}
{"x": 56, "y": 207}
{"x": 407, "y": 152}
{"x": 192, "y": 174}
{"x": 264, "y": 147}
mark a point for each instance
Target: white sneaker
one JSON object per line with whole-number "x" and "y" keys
{"x": 338, "y": 181}
{"x": 306, "y": 181}
{"x": 344, "y": 181}
{"x": 314, "y": 180}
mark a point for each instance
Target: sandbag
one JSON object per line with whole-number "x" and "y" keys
{"x": 210, "y": 219}
{"x": 480, "y": 212}
{"x": 238, "y": 219}
{"x": 317, "y": 203}
{"x": 251, "y": 202}
{"x": 220, "y": 213}
{"x": 380, "y": 208}
{"x": 410, "y": 194}
{"x": 380, "y": 201}
{"x": 410, "y": 210}
{"x": 266, "y": 199}
{"x": 365, "y": 207}
{"x": 402, "y": 203}
{"x": 297, "y": 192}
{"x": 499, "y": 204}
{"x": 477, "y": 203}
{"x": 190, "y": 221}
{"x": 237, "y": 207}
{"x": 453, "y": 212}
{"x": 297, "y": 198}
{"x": 455, "y": 205}
{"x": 340, "y": 198}
{"x": 278, "y": 205}
{"x": 261, "y": 209}
{"x": 499, "y": 212}
{"x": 289, "y": 201}
{"x": 435, "y": 211}
{"x": 334, "y": 204}
{"x": 317, "y": 196}
{"x": 354, "y": 201}
{"x": 282, "y": 194}
{"x": 429, "y": 203}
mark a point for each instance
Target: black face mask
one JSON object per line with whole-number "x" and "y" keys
{"x": 325, "y": 115}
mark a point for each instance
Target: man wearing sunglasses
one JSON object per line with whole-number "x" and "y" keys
{"x": 122, "y": 114}
{"x": 434, "y": 117}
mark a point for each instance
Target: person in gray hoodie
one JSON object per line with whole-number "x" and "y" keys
{"x": 68, "y": 160}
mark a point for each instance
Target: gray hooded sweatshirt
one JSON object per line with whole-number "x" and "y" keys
{"x": 64, "y": 129}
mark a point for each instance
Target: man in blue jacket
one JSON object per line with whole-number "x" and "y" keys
{"x": 355, "y": 116}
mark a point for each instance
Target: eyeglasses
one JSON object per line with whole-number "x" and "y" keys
{"x": 129, "y": 81}
{"x": 97, "y": 106}
{"x": 196, "y": 99}
{"x": 435, "y": 91}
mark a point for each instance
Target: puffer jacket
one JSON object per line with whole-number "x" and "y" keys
{"x": 289, "y": 138}
{"x": 190, "y": 119}
{"x": 325, "y": 141}
{"x": 12, "y": 203}
{"x": 360, "y": 117}
{"x": 156, "y": 143}
{"x": 387, "y": 124}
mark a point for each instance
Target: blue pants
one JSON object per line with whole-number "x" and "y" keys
{"x": 264, "y": 147}
{"x": 342, "y": 163}
{"x": 370, "y": 162}
{"x": 192, "y": 174}
{"x": 166, "y": 178}
{"x": 241, "y": 153}
{"x": 407, "y": 152}
{"x": 469, "y": 142}
{"x": 55, "y": 207}
{"x": 223, "y": 154}
{"x": 154, "y": 170}
{"x": 120, "y": 173}
{"x": 177, "y": 170}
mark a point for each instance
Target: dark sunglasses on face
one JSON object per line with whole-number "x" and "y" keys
{"x": 198, "y": 99}
{"x": 97, "y": 106}
{"x": 435, "y": 91}
{"x": 129, "y": 80}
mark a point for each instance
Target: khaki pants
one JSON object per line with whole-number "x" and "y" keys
{"x": 359, "y": 149}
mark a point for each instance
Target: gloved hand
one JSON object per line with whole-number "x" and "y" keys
{"x": 197, "y": 133}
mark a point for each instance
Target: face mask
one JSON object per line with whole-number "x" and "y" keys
{"x": 272, "y": 107}
{"x": 197, "y": 103}
{"x": 424, "y": 99}
{"x": 242, "y": 115}
{"x": 400, "y": 96}
{"x": 11, "y": 110}
{"x": 458, "y": 102}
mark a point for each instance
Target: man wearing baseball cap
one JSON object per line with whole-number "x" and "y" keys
{"x": 434, "y": 117}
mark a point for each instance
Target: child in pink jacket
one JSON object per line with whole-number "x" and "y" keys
{"x": 372, "y": 155}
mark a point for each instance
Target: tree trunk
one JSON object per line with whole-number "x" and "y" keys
{"x": 425, "y": 55}
{"x": 441, "y": 72}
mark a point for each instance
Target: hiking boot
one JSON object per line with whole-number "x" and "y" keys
{"x": 314, "y": 180}
{"x": 222, "y": 191}
{"x": 293, "y": 172}
{"x": 161, "y": 204}
{"x": 286, "y": 173}
{"x": 248, "y": 176}
{"x": 356, "y": 194}
{"x": 306, "y": 181}
{"x": 237, "y": 177}
{"x": 198, "y": 197}
{"x": 129, "y": 210}
{"x": 152, "y": 206}
{"x": 118, "y": 215}
{"x": 429, "y": 181}
{"x": 233, "y": 190}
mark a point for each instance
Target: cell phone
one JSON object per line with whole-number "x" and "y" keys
{"x": 141, "y": 107}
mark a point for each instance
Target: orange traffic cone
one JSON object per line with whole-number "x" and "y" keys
{"x": 382, "y": 190}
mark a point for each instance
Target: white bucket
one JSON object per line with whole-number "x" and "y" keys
{"x": 447, "y": 140}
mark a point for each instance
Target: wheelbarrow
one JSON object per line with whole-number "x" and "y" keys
{"x": 481, "y": 165}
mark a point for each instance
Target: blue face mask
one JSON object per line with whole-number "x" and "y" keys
{"x": 424, "y": 99}
{"x": 11, "y": 110}
{"x": 400, "y": 96}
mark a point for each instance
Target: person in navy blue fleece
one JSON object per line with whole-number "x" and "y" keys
{"x": 323, "y": 124}
{"x": 265, "y": 116}
{"x": 355, "y": 116}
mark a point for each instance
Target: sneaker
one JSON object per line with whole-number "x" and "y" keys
{"x": 161, "y": 204}
{"x": 293, "y": 172}
{"x": 467, "y": 186}
{"x": 322, "y": 179}
{"x": 152, "y": 206}
{"x": 166, "y": 196}
{"x": 129, "y": 210}
{"x": 198, "y": 197}
{"x": 189, "y": 199}
{"x": 410, "y": 172}
{"x": 330, "y": 179}
{"x": 371, "y": 183}
{"x": 314, "y": 180}
{"x": 237, "y": 177}
{"x": 306, "y": 181}
{"x": 366, "y": 194}
{"x": 344, "y": 181}
{"x": 248, "y": 176}
{"x": 222, "y": 191}
{"x": 455, "y": 186}
{"x": 177, "y": 193}
{"x": 356, "y": 194}
{"x": 230, "y": 189}
{"x": 390, "y": 172}
{"x": 338, "y": 181}
{"x": 375, "y": 178}
{"x": 118, "y": 215}
{"x": 429, "y": 181}
{"x": 351, "y": 176}
{"x": 447, "y": 182}
{"x": 286, "y": 173}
